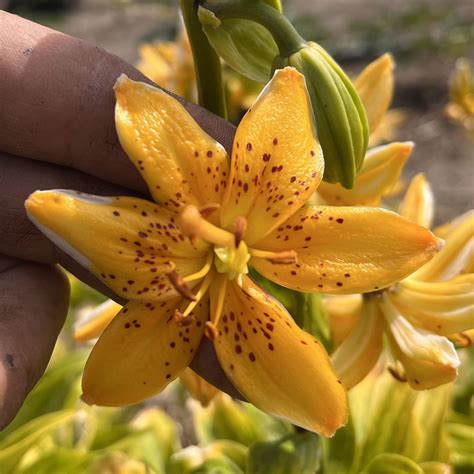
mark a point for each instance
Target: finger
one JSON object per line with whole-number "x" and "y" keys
{"x": 33, "y": 306}
{"x": 57, "y": 102}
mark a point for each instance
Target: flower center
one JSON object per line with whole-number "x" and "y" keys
{"x": 230, "y": 250}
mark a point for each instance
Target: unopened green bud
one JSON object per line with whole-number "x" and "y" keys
{"x": 339, "y": 113}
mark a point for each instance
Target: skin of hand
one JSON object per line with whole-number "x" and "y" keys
{"x": 57, "y": 132}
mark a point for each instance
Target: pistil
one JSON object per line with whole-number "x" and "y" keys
{"x": 194, "y": 225}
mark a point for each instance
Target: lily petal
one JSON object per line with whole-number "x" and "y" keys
{"x": 126, "y": 242}
{"x": 429, "y": 360}
{"x": 141, "y": 352}
{"x": 343, "y": 313}
{"x": 97, "y": 320}
{"x": 445, "y": 229}
{"x": 379, "y": 174}
{"x": 346, "y": 249}
{"x": 456, "y": 256}
{"x": 359, "y": 352}
{"x": 418, "y": 203}
{"x": 375, "y": 87}
{"x": 180, "y": 163}
{"x": 276, "y": 365}
{"x": 277, "y": 162}
{"x": 440, "y": 307}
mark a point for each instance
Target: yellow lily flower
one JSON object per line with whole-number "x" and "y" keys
{"x": 418, "y": 312}
{"x": 183, "y": 260}
{"x": 460, "y": 107}
{"x": 383, "y": 165}
{"x": 170, "y": 64}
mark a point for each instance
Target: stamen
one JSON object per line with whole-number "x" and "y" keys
{"x": 208, "y": 209}
{"x": 397, "y": 375}
{"x": 182, "y": 320}
{"x": 179, "y": 284}
{"x": 202, "y": 291}
{"x": 204, "y": 270}
{"x": 216, "y": 315}
{"x": 287, "y": 256}
{"x": 461, "y": 339}
{"x": 240, "y": 229}
{"x": 210, "y": 331}
{"x": 194, "y": 225}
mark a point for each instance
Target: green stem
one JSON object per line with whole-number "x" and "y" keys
{"x": 206, "y": 63}
{"x": 286, "y": 37}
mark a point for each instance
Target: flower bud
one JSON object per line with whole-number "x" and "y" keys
{"x": 340, "y": 115}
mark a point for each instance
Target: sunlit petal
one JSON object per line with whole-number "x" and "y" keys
{"x": 429, "y": 360}
{"x": 375, "y": 87}
{"x": 379, "y": 173}
{"x": 97, "y": 320}
{"x": 277, "y": 162}
{"x": 440, "y": 307}
{"x": 180, "y": 163}
{"x": 346, "y": 249}
{"x": 277, "y": 366}
{"x": 456, "y": 256}
{"x": 126, "y": 242}
{"x": 142, "y": 350}
{"x": 359, "y": 352}
{"x": 418, "y": 203}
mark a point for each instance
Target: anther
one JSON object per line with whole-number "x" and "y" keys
{"x": 210, "y": 331}
{"x": 208, "y": 209}
{"x": 182, "y": 320}
{"x": 180, "y": 285}
{"x": 461, "y": 339}
{"x": 240, "y": 229}
{"x": 397, "y": 375}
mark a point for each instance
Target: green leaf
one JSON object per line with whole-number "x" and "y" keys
{"x": 244, "y": 45}
{"x": 342, "y": 442}
{"x": 297, "y": 453}
{"x": 16, "y": 444}
{"x": 389, "y": 463}
{"x": 60, "y": 461}
{"x": 225, "y": 419}
{"x": 461, "y": 438}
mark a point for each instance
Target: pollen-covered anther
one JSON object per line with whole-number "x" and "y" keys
{"x": 397, "y": 375}
{"x": 180, "y": 285}
{"x": 240, "y": 225}
{"x": 210, "y": 331}
{"x": 182, "y": 320}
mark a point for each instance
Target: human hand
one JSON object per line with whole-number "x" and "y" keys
{"x": 57, "y": 131}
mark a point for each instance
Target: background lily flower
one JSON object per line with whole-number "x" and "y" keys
{"x": 183, "y": 261}
{"x": 419, "y": 311}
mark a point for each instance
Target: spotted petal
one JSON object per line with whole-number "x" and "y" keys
{"x": 375, "y": 87}
{"x": 346, "y": 249}
{"x": 429, "y": 360}
{"x": 418, "y": 203}
{"x": 126, "y": 242}
{"x": 379, "y": 174}
{"x": 274, "y": 364}
{"x": 359, "y": 352}
{"x": 277, "y": 162}
{"x": 141, "y": 352}
{"x": 180, "y": 163}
